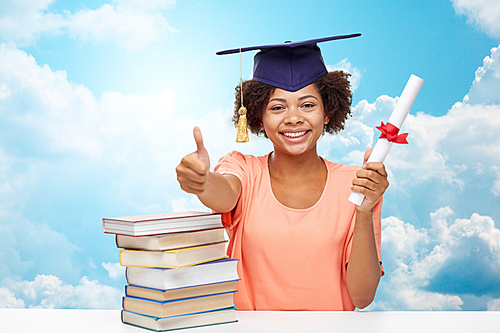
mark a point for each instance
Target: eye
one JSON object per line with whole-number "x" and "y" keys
{"x": 277, "y": 108}
{"x": 308, "y": 105}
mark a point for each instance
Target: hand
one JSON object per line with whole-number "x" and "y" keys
{"x": 193, "y": 170}
{"x": 371, "y": 181}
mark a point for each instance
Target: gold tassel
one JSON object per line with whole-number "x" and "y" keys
{"x": 242, "y": 135}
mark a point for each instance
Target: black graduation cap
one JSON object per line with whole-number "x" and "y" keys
{"x": 291, "y": 65}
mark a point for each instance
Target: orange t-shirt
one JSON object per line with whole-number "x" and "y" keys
{"x": 291, "y": 259}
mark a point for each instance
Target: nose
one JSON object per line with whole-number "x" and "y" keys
{"x": 293, "y": 116}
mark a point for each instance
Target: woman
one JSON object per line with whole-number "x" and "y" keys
{"x": 302, "y": 245}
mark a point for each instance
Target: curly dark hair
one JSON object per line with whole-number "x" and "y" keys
{"x": 333, "y": 87}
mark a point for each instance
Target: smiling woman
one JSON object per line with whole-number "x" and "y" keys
{"x": 302, "y": 245}
{"x": 335, "y": 95}
{"x": 294, "y": 121}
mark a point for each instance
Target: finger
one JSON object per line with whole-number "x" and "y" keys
{"x": 202, "y": 152}
{"x": 191, "y": 176}
{"x": 191, "y": 163}
{"x": 366, "y": 183}
{"x": 368, "y": 152}
{"x": 369, "y": 175}
{"x": 377, "y": 167}
{"x": 198, "y": 138}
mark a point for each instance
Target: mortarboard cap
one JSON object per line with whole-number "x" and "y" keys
{"x": 291, "y": 65}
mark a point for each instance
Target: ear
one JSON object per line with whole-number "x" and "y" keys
{"x": 327, "y": 120}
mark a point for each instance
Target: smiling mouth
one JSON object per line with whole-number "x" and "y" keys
{"x": 294, "y": 134}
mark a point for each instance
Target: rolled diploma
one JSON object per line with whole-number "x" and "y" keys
{"x": 397, "y": 118}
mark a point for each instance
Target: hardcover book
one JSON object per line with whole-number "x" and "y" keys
{"x": 177, "y": 322}
{"x": 173, "y": 258}
{"x": 180, "y": 293}
{"x": 171, "y": 241}
{"x": 171, "y": 278}
{"x": 178, "y": 307}
{"x": 143, "y": 225}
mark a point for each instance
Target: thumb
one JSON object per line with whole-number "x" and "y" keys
{"x": 201, "y": 151}
{"x": 368, "y": 152}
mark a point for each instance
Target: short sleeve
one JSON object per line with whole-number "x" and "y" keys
{"x": 235, "y": 164}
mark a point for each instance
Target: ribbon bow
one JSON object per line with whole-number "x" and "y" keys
{"x": 390, "y": 132}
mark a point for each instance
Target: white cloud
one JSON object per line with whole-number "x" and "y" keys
{"x": 54, "y": 132}
{"x": 129, "y": 24}
{"x": 48, "y": 291}
{"x": 9, "y": 300}
{"x": 494, "y": 305}
{"x": 346, "y": 66}
{"x": 496, "y": 183}
{"x": 27, "y": 245}
{"x": 486, "y": 83}
{"x": 428, "y": 268}
{"x": 455, "y": 150}
{"x": 115, "y": 270}
{"x": 343, "y": 147}
{"x": 482, "y": 13}
{"x": 25, "y": 20}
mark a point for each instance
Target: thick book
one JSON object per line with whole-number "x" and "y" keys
{"x": 173, "y": 258}
{"x": 172, "y": 241}
{"x": 178, "y": 307}
{"x": 177, "y": 322}
{"x": 180, "y": 293}
{"x": 155, "y": 224}
{"x": 171, "y": 278}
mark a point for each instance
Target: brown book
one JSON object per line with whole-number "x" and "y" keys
{"x": 171, "y": 241}
{"x": 177, "y": 322}
{"x": 178, "y": 307}
{"x": 173, "y": 258}
{"x": 180, "y": 293}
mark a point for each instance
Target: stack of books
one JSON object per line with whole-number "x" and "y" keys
{"x": 178, "y": 274}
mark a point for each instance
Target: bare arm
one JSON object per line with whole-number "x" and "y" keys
{"x": 363, "y": 270}
{"x": 216, "y": 191}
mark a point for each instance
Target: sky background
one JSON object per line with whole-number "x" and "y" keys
{"x": 98, "y": 100}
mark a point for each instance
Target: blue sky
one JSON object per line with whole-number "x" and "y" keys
{"x": 98, "y": 100}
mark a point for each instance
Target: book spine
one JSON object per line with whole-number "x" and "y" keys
{"x": 120, "y": 257}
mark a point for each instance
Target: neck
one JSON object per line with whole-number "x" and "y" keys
{"x": 292, "y": 166}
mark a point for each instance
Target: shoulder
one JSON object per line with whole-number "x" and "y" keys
{"x": 341, "y": 175}
{"x": 236, "y": 156}
{"x": 237, "y": 160}
{"x": 341, "y": 168}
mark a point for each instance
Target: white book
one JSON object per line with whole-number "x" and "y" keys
{"x": 154, "y": 224}
{"x": 171, "y": 278}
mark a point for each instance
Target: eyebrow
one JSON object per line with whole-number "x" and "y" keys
{"x": 278, "y": 99}
{"x": 307, "y": 96}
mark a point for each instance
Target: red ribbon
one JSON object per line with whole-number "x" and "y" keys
{"x": 390, "y": 132}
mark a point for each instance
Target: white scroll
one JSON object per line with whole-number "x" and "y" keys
{"x": 396, "y": 119}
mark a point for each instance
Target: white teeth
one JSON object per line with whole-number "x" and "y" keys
{"x": 294, "y": 134}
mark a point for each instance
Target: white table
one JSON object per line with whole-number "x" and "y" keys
{"x": 108, "y": 321}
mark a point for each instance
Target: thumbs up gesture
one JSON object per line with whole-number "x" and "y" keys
{"x": 193, "y": 170}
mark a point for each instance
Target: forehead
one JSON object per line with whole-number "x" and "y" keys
{"x": 311, "y": 90}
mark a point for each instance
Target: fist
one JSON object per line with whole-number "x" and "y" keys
{"x": 371, "y": 181}
{"x": 193, "y": 170}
